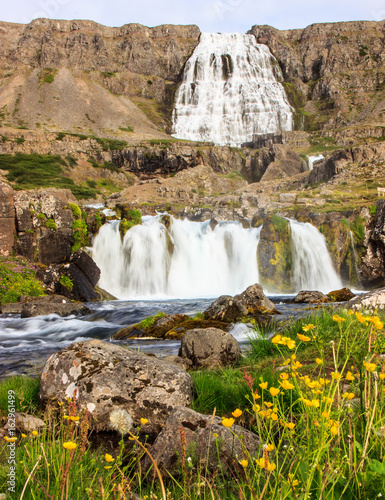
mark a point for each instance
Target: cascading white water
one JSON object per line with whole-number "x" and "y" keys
{"x": 312, "y": 266}
{"x": 190, "y": 259}
{"x": 231, "y": 91}
{"x": 313, "y": 159}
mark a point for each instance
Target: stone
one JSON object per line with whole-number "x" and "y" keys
{"x": 209, "y": 347}
{"x": 226, "y": 308}
{"x": 7, "y": 219}
{"x": 342, "y": 295}
{"x": 309, "y": 297}
{"x": 42, "y": 306}
{"x": 287, "y": 197}
{"x": 106, "y": 378}
{"x": 254, "y": 298}
{"x": 207, "y": 441}
{"x": 368, "y": 301}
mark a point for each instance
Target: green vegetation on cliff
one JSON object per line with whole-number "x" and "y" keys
{"x": 18, "y": 277}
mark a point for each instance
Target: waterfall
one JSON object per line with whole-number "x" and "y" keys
{"x": 312, "y": 266}
{"x": 313, "y": 159}
{"x": 189, "y": 259}
{"x": 230, "y": 91}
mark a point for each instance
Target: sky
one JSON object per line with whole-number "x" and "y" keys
{"x": 210, "y": 15}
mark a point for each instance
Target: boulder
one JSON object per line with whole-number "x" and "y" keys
{"x": 309, "y": 297}
{"x": 342, "y": 295}
{"x": 42, "y": 306}
{"x": 108, "y": 379}
{"x": 209, "y": 347}
{"x": 227, "y": 309}
{"x": 207, "y": 442}
{"x": 368, "y": 301}
{"x": 254, "y": 298}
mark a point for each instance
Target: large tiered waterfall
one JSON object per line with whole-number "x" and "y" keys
{"x": 192, "y": 259}
{"x": 231, "y": 90}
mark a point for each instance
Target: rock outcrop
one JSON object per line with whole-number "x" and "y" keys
{"x": 7, "y": 219}
{"x": 105, "y": 378}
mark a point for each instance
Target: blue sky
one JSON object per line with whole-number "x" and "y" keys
{"x": 209, "y": 15}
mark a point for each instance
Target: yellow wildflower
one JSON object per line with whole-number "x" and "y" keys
{"x": 325, "y": 414}
{"x": 290, "y": 344}
{"x": 370, "y": 366}
{"x": 108, "y": 458}
{"x": 274, "y": 417}
{"x": 284, "y": 376}
{"x": 227, "y": 422}
{"x": 268, "y": 404}
{"x": 34, "y": 433}
{"x": 304, "y": 338}
{"x": 348, "y": 395}
{"x": 23, "y": 435}
{"x": 265, "y": 464}
{"x": 237, "y": 413}
{"x": 306, "y": 328}
{"x": 286, "y": 385}
{"x": 143, "y": 421}
{"x": 319, "y": 361}
{"x": 334, "y": 430}
{"x": 350, "y": 312}
{"x": 69, "y": 445}
{"x": 382, "y": 376}
{"x": 244, "y": 462}
{"x": 10, "y": 439}
{"x": 360, "y": 318}
{"x": 297, "y": 365}
{"x": 338, "y": 319}
{"x": 349, "y": 376}
{"x": 74, "y": 419}
{"x": 270, "y": 447}
{"x": 263, "y": 385}
{"x": 336, "y": 375}
{"x": 274, "y": 391}
{"x": 108, "y": 466}
{"x": 276, "y": 339}
{"x": 290, "y": 425}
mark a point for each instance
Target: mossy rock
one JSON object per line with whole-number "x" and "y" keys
{"x": 274, "y": 254}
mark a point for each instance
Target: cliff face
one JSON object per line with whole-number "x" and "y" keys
{"x": 334, "y": 72}
{"x": 80, "y": 75}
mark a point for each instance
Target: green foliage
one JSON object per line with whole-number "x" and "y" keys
{"x": 76, "y": 212}
{"x": 373, "y": 209}
{"x": 20, "y": 140}
{"x": 280, "y": 224}
{"x": 98, "y": 221}
{"x": 41, "y": 216}
{"x": 358, "y": 229}
{"x": 107, "y": 165}
{"x": 72, "y": 162}
{"x": 126, "y": 129}
{"x": 107, "y": 74}
{"x": 66, "y": 282}
{"x": 51, "y": 224}
{"x": 80, "y": 234}
{"x": 132, "y": 218}
{"x": 111, "y": 144}
{"x": 18, "y": 277}
{"x": 26, "y": 391}
{"x": 150, "y": 320}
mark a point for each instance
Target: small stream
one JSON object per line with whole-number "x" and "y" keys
{"x": 26, "y": 343}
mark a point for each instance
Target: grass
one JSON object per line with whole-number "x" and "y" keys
{"x": 34, "y": 171}
{"x": 316, "y": 402}
{"x": 26, "y": 391}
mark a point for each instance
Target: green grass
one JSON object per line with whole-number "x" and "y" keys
{"x": 34, "y": 171}
{"x": 26, "y": 391}
{"x": 150, "y": 320}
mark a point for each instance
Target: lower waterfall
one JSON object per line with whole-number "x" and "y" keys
{"x": 171, "y": 258}
{"x": 312, "y": 266}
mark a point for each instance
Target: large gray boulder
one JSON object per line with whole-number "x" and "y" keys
{"x": 106, "y": 377}
{"x": 204, "y": 347}
{"x": 207, "y": 442}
